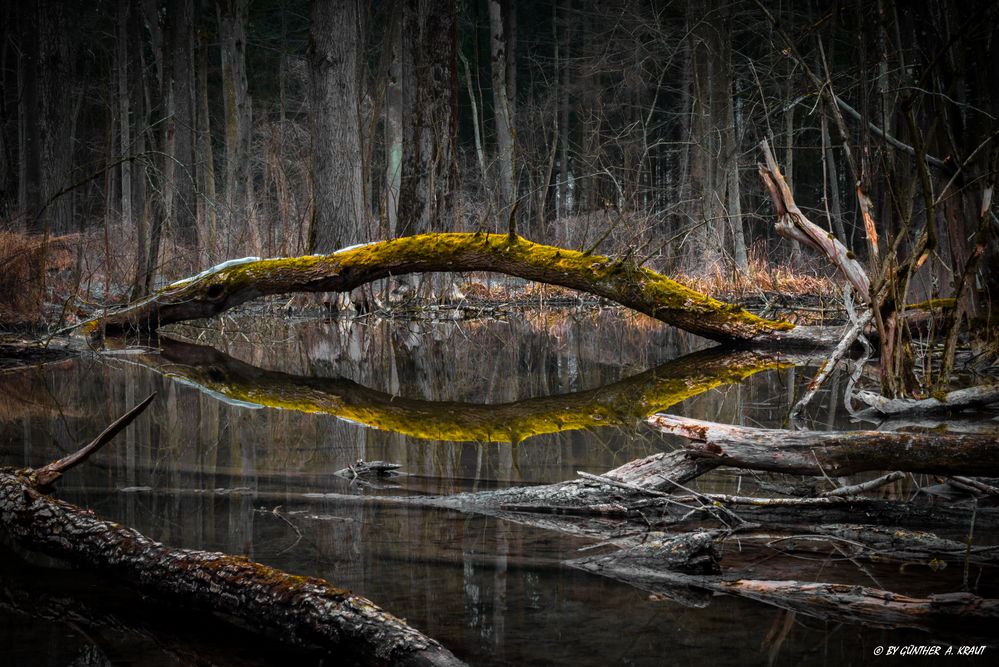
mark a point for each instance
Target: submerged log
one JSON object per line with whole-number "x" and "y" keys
{"x": 303, "y": 611}
{"x": 645, "y": 568}
{"x": 834, "y": 453}
{"x": 638, "y": 288}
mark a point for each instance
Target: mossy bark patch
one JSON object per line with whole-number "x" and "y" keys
{"x": 635, "y": 287}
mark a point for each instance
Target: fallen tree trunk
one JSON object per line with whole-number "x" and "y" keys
{"x": 834, "y": 453}
{"x": 954, "y": 401}
{"x": 881, "y": 543}
{"x": 654, "y": 567}
{"x": 638, "y": 288}
{"x": 112, "y": 618}
{"x": 303, "y": 611}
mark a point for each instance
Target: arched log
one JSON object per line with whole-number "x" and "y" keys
{"x": 638, "y": 288}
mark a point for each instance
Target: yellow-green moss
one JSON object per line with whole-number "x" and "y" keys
{"x": 627, "y": 402}
{"x": 636, "y": 287}
{"x": 932, "y": 304}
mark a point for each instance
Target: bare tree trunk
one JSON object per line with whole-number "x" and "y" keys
{"x": 789, "y": 162}
{"x": 339, "y": 214}
{"x": 233, "y": 16}
{"x": 30, "y": 124}
{"x": 162, "y": 209}
{"x": 142, "y": 204}
{"x": 393, "y": 124}
{"x": 430, "y": 99}
{"x": 502, "y": 111}
{"x": 183, "y": 78}
{"x": 206, "y": 165}
{"x": 832, "y": 184}
{"x": 703, "y": 159}
{"x": 562, "y": 208}
{"x": 124, "y": 114}
{"x": 732, "y": 137}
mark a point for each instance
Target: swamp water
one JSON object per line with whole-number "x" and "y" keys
{"x": 237, "y": 454}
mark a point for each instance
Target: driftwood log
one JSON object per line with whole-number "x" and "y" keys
{"x": 970, "y": 398}
{"x": 652, "y": 567}
{"x": 303, "y": 611}
{"x": 834, "y": 453}
{"x": 641, "y": 289}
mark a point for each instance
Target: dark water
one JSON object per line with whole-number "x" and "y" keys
{"x": 207, "y": 467}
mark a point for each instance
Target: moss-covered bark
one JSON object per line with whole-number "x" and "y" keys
{"x": 632, "y": 286}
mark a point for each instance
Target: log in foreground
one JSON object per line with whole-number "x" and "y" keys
{"x": 638, "y": 288}
{"x": 834, "y": 453}
{"x": 303, "y": 611}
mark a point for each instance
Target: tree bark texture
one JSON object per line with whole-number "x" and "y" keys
{"x": 233, "y": 16}
{"x": 393, "y": 125}
{"x": 834, "y": 453}
{"x": 954, "y": 401}
{"x": 642, "y": 566}
{"x": 635, "y": 287}
{"x": 302, "y": 610}
{"x": 792, "y": 224}
{"x": 334, "y": 63}
{"x": 430, "y": 116}
{"x": 502, "y": 110}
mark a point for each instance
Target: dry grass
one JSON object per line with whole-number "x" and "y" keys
{"x": 763, "y": 276}
{"x": 21, "y": 278}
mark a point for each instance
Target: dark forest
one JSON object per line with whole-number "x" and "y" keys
{"x": 660, "y": 296}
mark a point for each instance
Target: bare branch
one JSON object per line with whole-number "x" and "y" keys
{"x": 48, "y": 474}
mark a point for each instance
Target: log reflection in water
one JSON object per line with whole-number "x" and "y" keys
{"x": 624, "y": 403}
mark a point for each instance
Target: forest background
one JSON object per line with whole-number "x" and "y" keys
{"x": 143, "y": 141}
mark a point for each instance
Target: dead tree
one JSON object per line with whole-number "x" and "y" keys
{"x": 303, "y": 611}
{"x": 686, "y": 556}
{"x": 235, "y": 282}
{"x": 834, "y": 453}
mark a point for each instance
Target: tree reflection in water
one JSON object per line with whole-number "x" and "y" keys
{"x": 197, "y": 471}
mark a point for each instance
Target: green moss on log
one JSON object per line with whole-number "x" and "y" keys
{"x": 635, "y": 287}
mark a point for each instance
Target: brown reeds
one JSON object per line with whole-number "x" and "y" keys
{"x": 22, "y": 281}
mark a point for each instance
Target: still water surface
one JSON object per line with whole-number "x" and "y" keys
{"x": 210, "y": 465}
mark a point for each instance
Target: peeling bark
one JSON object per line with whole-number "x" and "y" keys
{"x": 792, "y": 224}
{"x": 954, "y": 401}
{"x": 637, "y": 288}
{"x": 834, "y": 453}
